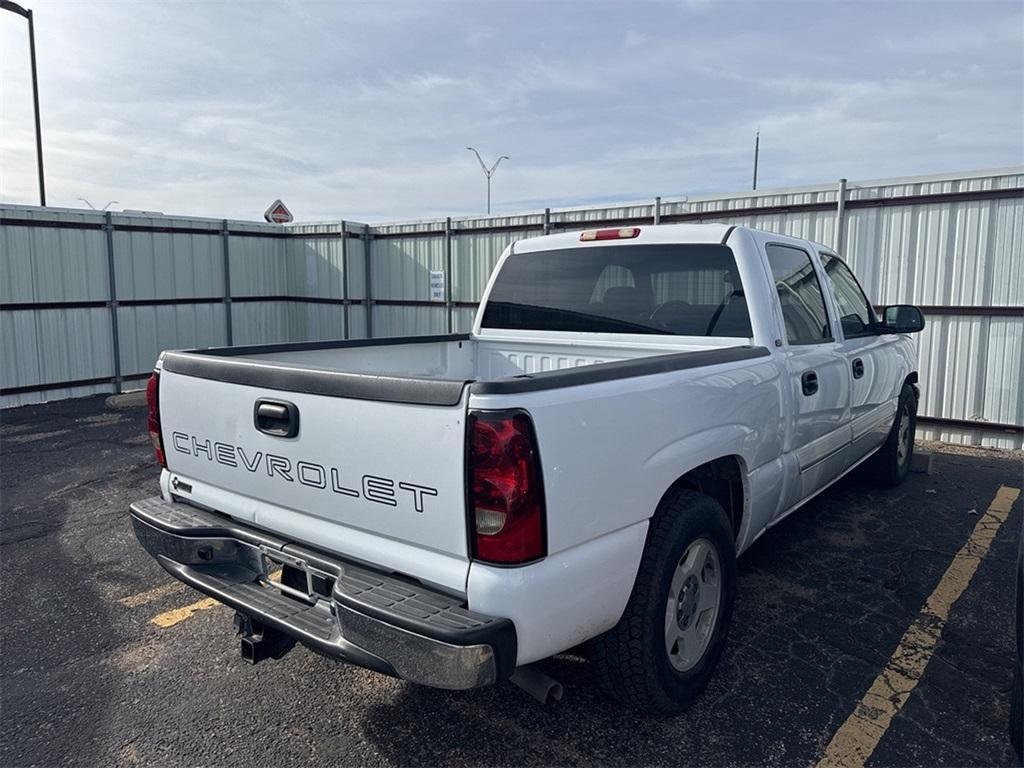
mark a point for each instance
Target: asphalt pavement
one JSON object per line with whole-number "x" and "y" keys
{"x": 90, "y": 679}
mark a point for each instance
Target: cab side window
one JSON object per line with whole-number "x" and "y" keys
{"x": 803, "y": 305}
{"x": 856, "y": 315}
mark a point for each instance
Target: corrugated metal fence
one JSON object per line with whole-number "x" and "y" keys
{"x": 90, "y": 299}
{"x": 75, "y": 286}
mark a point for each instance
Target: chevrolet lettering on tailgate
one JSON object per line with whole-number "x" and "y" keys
{"x": 371, "y": 487}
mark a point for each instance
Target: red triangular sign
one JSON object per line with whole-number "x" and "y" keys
{"x": 278, "y": 213}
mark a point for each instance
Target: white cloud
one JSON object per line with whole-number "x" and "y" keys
{"x": 635, "y": 39}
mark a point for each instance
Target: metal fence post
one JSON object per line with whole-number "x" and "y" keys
{"x": 368, "y": 281}
{"x": 344, "y": 278}
{"x": 547, "y": 221}
{"x": 226, "y": 250}
{"x": 108, "y": 227}
{"x": 657, "y": 211}
{"x": 841, "y": 217}
{"x": 448, "y": 273}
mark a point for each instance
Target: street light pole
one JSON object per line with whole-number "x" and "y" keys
{"x": 35, "y": 101}
{"x": 488, "y": 172}
{"x": 7, "y": 5}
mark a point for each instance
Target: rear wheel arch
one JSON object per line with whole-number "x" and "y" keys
{"x": 723, "y": 479}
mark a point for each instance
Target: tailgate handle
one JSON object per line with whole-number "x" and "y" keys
{"x": 277, "y": 418}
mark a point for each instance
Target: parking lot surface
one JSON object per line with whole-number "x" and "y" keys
{"x": 107, "y": 661}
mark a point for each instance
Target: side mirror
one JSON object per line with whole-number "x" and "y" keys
{"x": 901, "y": 318}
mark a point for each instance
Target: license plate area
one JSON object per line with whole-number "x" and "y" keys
{"x": 294, "y": 577}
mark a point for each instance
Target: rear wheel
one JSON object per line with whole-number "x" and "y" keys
{"x": 662, "y": 653}
{"x": 890, "y": 466}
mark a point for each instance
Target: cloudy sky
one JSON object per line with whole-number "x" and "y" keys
{"x": 363, "y": 111}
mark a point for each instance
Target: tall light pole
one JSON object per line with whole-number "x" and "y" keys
{"x": 488, "y": 172}
{"x": 7, "y": 5}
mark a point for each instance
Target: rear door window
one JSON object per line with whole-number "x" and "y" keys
{"x": 803, "y": 304}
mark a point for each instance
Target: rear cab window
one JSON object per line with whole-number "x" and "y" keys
{"x": 664, "y": 289}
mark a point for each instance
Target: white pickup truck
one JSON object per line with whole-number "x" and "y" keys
{"x": 633, "y": 408}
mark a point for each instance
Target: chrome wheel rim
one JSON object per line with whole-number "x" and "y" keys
{"x": 903, "y": 441}
{"x": 694, "y": 598}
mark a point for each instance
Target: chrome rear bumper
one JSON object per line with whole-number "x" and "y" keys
{"x": 376, "y": 620}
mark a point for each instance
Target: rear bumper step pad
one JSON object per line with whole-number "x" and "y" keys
{"x": 373, "y": 619}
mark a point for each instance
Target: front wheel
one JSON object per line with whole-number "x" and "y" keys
{"x": 664, "y": 649}
{"x": 890, "y": 466}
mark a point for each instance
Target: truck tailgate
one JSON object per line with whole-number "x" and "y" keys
{"x": 380, "y": 482}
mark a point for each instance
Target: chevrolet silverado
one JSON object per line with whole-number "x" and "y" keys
{"x": 632, "y": 409}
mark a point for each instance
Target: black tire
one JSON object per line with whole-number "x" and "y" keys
{"x": 888, "y": 468}
{"x": 1017, "y": 714}
{"x": 1017, "y": 695}
{"x": 631, "y": 661}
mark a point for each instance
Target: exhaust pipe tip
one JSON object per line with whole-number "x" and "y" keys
{"x": 555, "y": 691}
{"x": 540, "y": 686}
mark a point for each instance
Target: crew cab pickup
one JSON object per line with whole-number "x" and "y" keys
{"x": 633, "y": 408}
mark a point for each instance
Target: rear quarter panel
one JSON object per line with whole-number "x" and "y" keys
{"x": 609, "y": 451}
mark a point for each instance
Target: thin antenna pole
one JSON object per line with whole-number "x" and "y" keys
{"x": 757, "y": 149}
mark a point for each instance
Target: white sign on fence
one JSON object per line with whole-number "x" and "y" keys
{"x": 436, "y": 285}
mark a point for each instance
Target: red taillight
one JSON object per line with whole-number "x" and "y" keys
{"x": 153, "y": 422}
{"x": 624, "y": 233}
{"x": 506, "y": 495}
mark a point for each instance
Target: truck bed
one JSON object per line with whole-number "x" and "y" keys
{"x": 433, "y": 370}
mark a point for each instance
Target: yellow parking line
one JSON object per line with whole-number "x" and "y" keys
{"x": 170, "y": 618}
{"x": 177, "y": 615}
{"x": 857, "y": 738}
{"x": 150, "y": 595}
